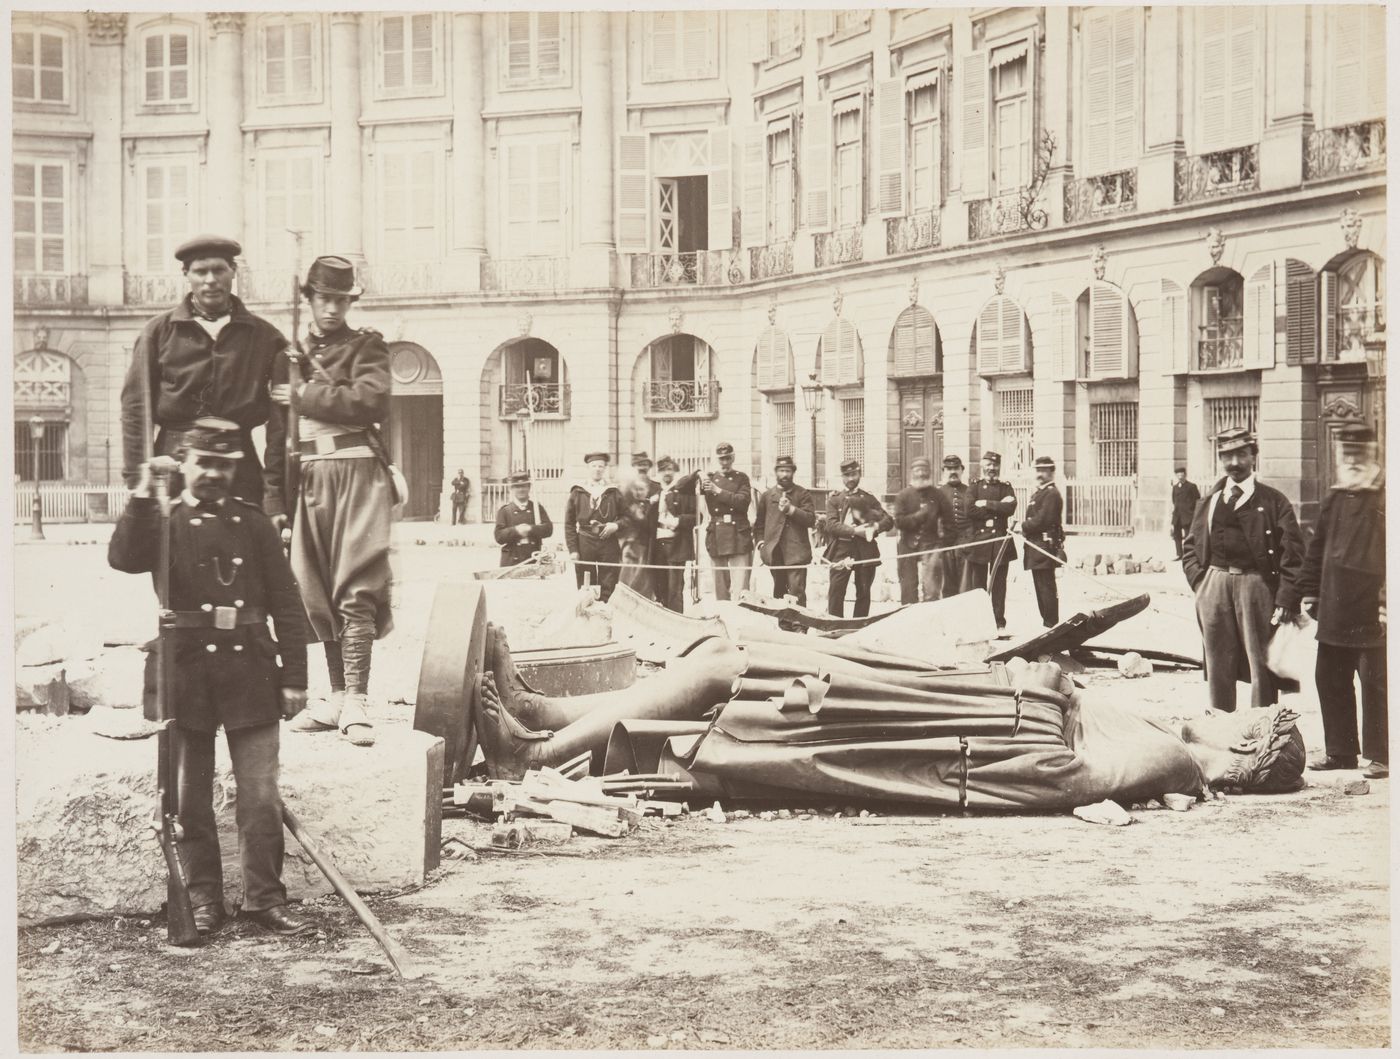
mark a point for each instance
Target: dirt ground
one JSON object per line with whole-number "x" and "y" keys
{"x": 1252, "y": 922}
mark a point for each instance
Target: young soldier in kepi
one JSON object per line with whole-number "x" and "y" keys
{"x": 1043, "y": 527}
{"x": 461, "y": 489}
{"x": 786, "y": 513}
{"x": 853, "y": 520}
{"x": 1343, "y": 581}
{"x": 989, "y": 506}
{"x": 521, "y": 524}
{"x": 227, "y": 577}
{"x": 591, "y": 521}
{"x": 344, "y": 506}
{"x": 673, "y": 545}
{"x": 1243, "y": 553}
{"x": 923, "y": 518}
{"x": 954, "y": 490}
{"x": 639, "y": 527}
{"x": 208, "y": 356}
{"x": 729, "y": 538}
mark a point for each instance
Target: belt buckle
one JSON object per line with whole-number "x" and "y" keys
{"x": 325, "y": 444}
{"x": 225, "y": 618}
{"x": 727, "y": 519}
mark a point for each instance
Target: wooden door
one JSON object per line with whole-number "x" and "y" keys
{"x": 415, "y": 444}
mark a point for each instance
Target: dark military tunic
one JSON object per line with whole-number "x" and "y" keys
{"x": 515, "y": 549}
{"x": 729, "y": 531}
{"x": 584, "y": 519}
{"x": 847, "y": 510}
{"x": 224, "y": 555}
{"x": 1043, "y": 526}
{"x": 988, "y": 522}
{"x": 192, "y": 375}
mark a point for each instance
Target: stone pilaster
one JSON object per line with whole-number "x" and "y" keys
{"x": 594, "y": 260}
{"x": 1288, "y": 434}
{"x": 347, "y": 161}
{"x": 1162, "y": 140}
{"x": 224, "y": 206}
{"x": 469, "y": 161}
{"x": 106, "y": 34}
{"x": 1290, "y": 114}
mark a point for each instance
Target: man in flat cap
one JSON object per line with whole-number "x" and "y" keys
{"x": 674, "y": 543}
{"x": 949, "y": 568}
{"x": 786, "y": 515}
{"x": 1343, "y": 583}
{"x": 729, "y": 537}
{"x": 854, "y": 518}
{"x": 1242, "y": 558}
{"x": 638, "y": 528}
{"x": 208, "y": 356}
{"x": 990, "y": 502}
{"x": 228, "y": 575}
{"x": 592, "y": 517}
{"x": 923, "y": 518}
{"x": 522, "y": 525}
{"x": 344, "y": 504}
{"x": 1044, "y": 528}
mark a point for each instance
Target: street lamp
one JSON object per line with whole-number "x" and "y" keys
{"x": 36, "y": 435}
{"x": 813, "y": 393}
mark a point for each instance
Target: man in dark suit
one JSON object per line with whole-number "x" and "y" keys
{"x": 1043, "y": 527}
{"x": 853, "y": 520}
{"x": 729, "y": 536}
{"x": 1244, "y": 552}
{"x": 1185, "y": 497}
{"x": 521, "y": 524}
{"x": 786, "y": 513}
{"x": 990, "y": 503}
{"x": 950, "y": 563}
{"x": 923, "y": 517}
{"x": 674, "y": 544}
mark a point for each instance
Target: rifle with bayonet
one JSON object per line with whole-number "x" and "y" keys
{"x": 296, "y": 372}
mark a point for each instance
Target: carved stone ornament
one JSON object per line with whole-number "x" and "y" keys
{"x": 837, "y": 300}
{"x": 1342, "y": 406}
{"x": 41, "y": 337}
{"x": 999, "y": 279}
{"x": 227, "y": 21}
{"x": 1351, "y": 227}
{"x": 914, "y": 290}
{"x": 913, "y": 419}
{"x": 677, "y": 318}
{"x": 527, "y": 321}
{"x": 106, "y": 28}
{"x": 1100, "y": 261}
{"x": 1215, "y": 245}
{"x": 773, "y": 312}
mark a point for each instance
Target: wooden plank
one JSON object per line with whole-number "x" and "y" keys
{"x": 543, "y": 788}
{"x": 596, "y": 820}
{"x": 520, "y": 834}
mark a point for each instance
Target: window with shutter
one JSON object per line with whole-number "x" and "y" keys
{"x": 989, "y": 338}
{"x": 1328, "y": 282}
{"x": 720, "y": 190}
{"x": 167, "y": 67}
{"x": 889, "y": 108}
{"x": 41, "y": 218}
{"x": 39, "y": 66}
{"x": 850, "y": 163}
{"x": 408, "y": 54}
{"x": 1356, "y": 70}
{"x": 1110, "y": 89}
{"x": 290, "y": 61}
{"x": 534, "y": 181}
{"x": 633, "y": 199}
{"x": 1063, "y": 359}
{"x": 536, "y": 49}
{"x": 774, "y": 360}
{"x": 1173, "y": 330}
{"x": 1228, "y": 75}
{"x": 974, "y": 126}
{"x": 914, "y": 344}
{"x": 1013, "y": 337}
{"x": 1011, "y": 124}
{"x": 842, "y": 363}
{"x": 292, "y": 198}
{"x": 1113, "y": 334}
{"x": 1300, "y": 301}
{"x": 775, "y": 217}
{"x": 925, "y": 150}
{"x": 166, "y": 205}
{"x": 784, "y": 33}
{"x": 410, "y": 204}
{"x": 816, "y": 165}
{"x": 1260, "y": 332}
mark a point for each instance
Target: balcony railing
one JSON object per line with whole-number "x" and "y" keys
{"x": 702, "y": 268}
{"x": 265, "y": 284}
{"x": 1207, "y": 176}
{"x": 524, "y": 273}
{"x": 1005, "y": 214}
{"x": 50, "y": 291}
{"x": 918, "y": 231}
{"x": 1100, "y": 196}
{"x": 160, "y": 289}
{"x": 681, "y": 398}
{"x": 545, "y": 400}
{"x": 1225, "y": 350}
{"x": 841, "y": 247}
{"x": 775, "y": 259}
{"x": 1344, "y": 149}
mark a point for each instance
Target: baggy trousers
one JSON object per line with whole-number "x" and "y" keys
{"x": 789, "y": 582}
{"x": 635, "y": 553}
{"x": 605, "y": 577}
{"x": 1234, "y": 612}
{"x": 1337, "y": 668}
{"x": 258, "y": 811}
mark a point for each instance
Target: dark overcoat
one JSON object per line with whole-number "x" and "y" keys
{"x": 784, "y": 536}
{"x": 584, "y": 521}
{"x": 1043, "y": 526}
{"x": 846, "y": 510}
{"x": 1270, "y": 529}
{"x": 729, "y": 531}
{"x": 988, "y": 522}
{"x": 515, "y": 549}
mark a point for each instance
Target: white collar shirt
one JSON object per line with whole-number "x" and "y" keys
{"x": 1246, "y": 491}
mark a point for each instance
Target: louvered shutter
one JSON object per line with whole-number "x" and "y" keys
{"x": 974, "y": 127}
{"x": 1300, "y": 307}
{"x": 1346, "y": 68}
{"x": 755, "y": 202}
{"x": 549, "y": 198}
{"x": 1244, "y": 88}
{"x": 851, "y": 366}
{"x": 632, "y": 198}
{"x": 697, "y": 27}
{"x": 1013, "y": 336}
{"x": 1214, "y": 75}
{"x": 1064, "y": 357}
{"x": 1108, "y": 342}
{"x": 549, "y": 44}
{"x": 519, "y": 208}
{"x": 519, "y": 61}
{"x": 721, "y": 190}
{"x": 424, "y": 49}
{"x": 665, "y": 34}
{"x": 1125, "y": 81}
{"x": 700, "y": 360}
{"x": 1259, "y": 330}
{"x": 904, "y": 344}
{"x": 925, "y": 343}
{"x": 1099, "y": 84}
{"x": 1176, "y": 348}
{"x": 889, "y": 109}
{"x": 816, "y": 165}
{"x": 763, "y": 370}
{"x": 989, "y": 338}
{"x": 1329, "y": 316}
{"x": 1375, "y": 71}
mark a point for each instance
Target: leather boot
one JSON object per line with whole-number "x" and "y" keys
{"x": 356, "y": 647}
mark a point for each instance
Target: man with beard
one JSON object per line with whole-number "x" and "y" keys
{"x": 729, "y": 538}
{"x": 950, "y": 562}
{"x": 854, "y": 518}
{"x": 786, "y": 513}
{"x": 923, "y": 519}
{"x": 990, "y": 502}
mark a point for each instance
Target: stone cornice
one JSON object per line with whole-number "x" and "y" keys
{"x": 227, "y": 21}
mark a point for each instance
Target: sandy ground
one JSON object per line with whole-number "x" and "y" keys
{"x": 1253, "y": 922}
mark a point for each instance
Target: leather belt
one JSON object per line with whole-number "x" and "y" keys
{"x": 1232, "y": 569}
{"x": 216, "y": 618}
{"x": 328, "y": 443}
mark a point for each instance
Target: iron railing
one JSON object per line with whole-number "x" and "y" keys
{"x": 775, "y": 259}
{"x": 1225, "y": 350}
{"x": 46, "y": 291}
{"x": 524, "y": 273}
{"x": 681, "y": 398}
{"x": 1100, "y": 505}
{"x": 152, "y": 289}
{"x": 1003, "y": 215}
{"x": 841, "y": 247}
{"x": 1344, "y": 149}
{"x": 703, "y": 268}
{"x": 1207, "y": 176}
{"x": 1100, "y": 196}
{"x": 539, "y": 399}
{"x": 70, "y": 501}
{"x": 917, "y": 231}
{"x": 264, "y": 284}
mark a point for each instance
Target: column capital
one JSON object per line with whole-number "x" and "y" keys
{"x": 341, "y": 18}
{"x": 227, "y": 21}
{"x": 106, "y": 28}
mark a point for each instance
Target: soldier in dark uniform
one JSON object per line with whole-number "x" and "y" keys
{"x": 990, "y": 502}
{"x": 592, "y": 518}
{"x": 786, "y": 514}
{"x": 950, "y": 566}
{"x": 1185, "y": 497}
{"x": 729, "y": 538}
{"x": 521, "y": 524}
{"x": 461, "y": 489}
{"x": 227, "y": 577}
{"x": 1043, "y": 526}
{"x": 639, "y": 527}
{"x": 208, "y": 356}
{"x": 345, "y": 499}
{"x": 674, "y": 543}
{"x": 854, "y": 518}
{"x": 922, "y": 515}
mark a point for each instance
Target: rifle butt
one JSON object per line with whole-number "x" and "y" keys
{"x": 179, "y": 911}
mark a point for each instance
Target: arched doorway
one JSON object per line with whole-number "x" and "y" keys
{"x": 915, "y": 415}
{"x": 677, "y": 401}
{"x": 525, "y": 401}
{"x": 414, "y": 431}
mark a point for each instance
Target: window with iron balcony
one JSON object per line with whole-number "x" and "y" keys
{"x": 681, "y": 382}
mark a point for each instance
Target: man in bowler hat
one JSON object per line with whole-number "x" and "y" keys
{"x": 1185, "y": 497}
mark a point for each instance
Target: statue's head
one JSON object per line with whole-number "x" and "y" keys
{"x": 1258, "y": 751}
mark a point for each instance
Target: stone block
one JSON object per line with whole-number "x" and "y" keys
{"x": 85, "y": 804}
{"x": 43, "y": 688}
{"x": 1133, "y": 666}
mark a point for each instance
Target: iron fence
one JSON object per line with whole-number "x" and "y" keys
{"x": 548, "y": 399}
{"x": 841, "y": 247}
{"x": 1207, "y": 176}
{"x": 1100, "y": 196}
{"x": 71, "y": 502}
{"x": 681, "y": 397}
{"x": 1100, "y": 505}
{"x": 702, "y": 268}
{"x": 918, "y": 231}
{"x": 45, "y": 291}
{"x": 766, "y": 262}
{"x": 1344, "y": 149}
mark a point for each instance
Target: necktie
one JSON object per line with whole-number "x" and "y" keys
{"x": 1235, "y": 493}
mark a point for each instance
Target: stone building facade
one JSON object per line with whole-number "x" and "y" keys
{"x": 1101, "y": 234}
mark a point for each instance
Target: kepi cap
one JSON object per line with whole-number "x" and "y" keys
{"x": 953, "y": 461}
{"x": 207, "y": 246}
{"x": 724, "y": 449}
{"x": 785, "y": 461}
{"x": 331, "y": 275}
{"x": 850, "y": 466}
{"x": 211, "y": 436}
{"x": 994, "y": 457}
{"x": 1356, "y": 434}
{"x": 520, "y": 478}
{"x": 589, "y": 457}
